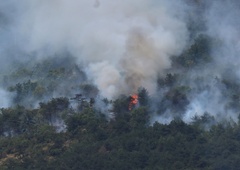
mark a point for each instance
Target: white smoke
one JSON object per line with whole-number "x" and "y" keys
{"x": 124, "y": 44}
{"x": 222, "y": 25}
{"x": 5, "y": 99}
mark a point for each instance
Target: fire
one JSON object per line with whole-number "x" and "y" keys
{"x": 133, "y": 101}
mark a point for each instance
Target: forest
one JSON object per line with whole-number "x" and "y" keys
{"x": 80, "y": 132}
{"x": 119, "y": 86}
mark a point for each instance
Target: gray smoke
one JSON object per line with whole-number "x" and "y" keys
{"x": 222, "y": 24}
{"x": 125, "y": 45}
{"x": 209, "y": 94}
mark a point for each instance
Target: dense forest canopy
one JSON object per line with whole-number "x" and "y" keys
{"x": 140, "y": 84}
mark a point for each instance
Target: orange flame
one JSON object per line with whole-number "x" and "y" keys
{"x": 133, "y": 101}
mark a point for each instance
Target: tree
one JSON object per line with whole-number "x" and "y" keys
{"x": 51, "y": 109}
{"x": 143, "y": 97}
{"x": 121, "y": 104}
{"x": 197, "y": 54}
{"x": 139, "y": 117}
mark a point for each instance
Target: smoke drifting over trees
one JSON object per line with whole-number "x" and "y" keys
{"x": 185, "y": 53}
{"x": 116, "y": 38}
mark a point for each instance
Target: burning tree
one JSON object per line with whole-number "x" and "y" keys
{"x": 133, "y": 101}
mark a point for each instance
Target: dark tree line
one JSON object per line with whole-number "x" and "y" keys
{"x": 29, "y": 141}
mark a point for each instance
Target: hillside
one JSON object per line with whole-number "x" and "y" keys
{"x": 134, "y": 84}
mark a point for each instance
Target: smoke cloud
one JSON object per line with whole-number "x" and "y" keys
{"x": 222, "y": 25}
{"x": 128, "y": 44}
{"x": 124, "y": 45}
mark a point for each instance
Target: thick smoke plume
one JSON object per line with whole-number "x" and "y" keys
{"x": 124, "y": 45}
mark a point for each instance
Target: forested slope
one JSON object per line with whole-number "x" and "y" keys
{"x": 140, "y": 84}
{"x": 125, "y": 142}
